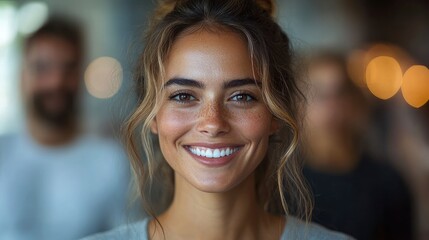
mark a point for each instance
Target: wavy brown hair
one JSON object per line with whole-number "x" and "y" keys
{"x": 280, "y": 186}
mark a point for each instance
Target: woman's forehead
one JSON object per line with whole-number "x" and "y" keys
{"x": 205, "y": 55}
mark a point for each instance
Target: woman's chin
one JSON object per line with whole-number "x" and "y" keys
{"x": 214, "y": 184}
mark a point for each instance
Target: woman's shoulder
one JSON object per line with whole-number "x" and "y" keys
{"x": 132, "y": 231}
{"x": 297, "y": 229}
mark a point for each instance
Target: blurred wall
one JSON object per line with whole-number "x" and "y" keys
{"x": 322, "y": 24}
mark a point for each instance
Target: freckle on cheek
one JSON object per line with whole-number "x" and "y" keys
{"x": 256, "y": 121}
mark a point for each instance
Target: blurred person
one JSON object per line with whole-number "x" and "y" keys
{"x": 57, "y": 182}
{"x": 353, "y": 192}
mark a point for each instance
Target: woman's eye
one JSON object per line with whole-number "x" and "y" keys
{"x": 182, "y": 97}
{"x": 242, "y": 98}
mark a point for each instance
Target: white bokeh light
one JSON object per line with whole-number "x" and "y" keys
{"x": 31, "y": 16}
{"x": 7, "y": 23}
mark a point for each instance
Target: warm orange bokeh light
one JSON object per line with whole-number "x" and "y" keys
{"x": 356, "y": 67}
{"x": 103, "y": 77}
{"x": 415, "y": 86}
{"x": 383, "y": 77}
{"x": 390, "y": 50}
{"x": 358, "y": 60}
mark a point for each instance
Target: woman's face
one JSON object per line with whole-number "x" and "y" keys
{"x": 213, "y": 125}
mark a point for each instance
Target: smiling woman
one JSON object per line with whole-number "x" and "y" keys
{"x": 219, "y": 100}
{"x": 216, "y": 105}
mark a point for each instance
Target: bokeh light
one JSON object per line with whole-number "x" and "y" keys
{"x": 415, "y": 86}
{"x": 7, "y": 23}
{"x": 103, "y": 77}
{"x": 383, "y": 77}
{"x": 356, "y": 67}
{"x": 389, "y": 50}
{"x": 31, "y": 16}
{"x": 358, "y": 60}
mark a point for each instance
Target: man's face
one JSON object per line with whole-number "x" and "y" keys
{"x": 50, "y": 80}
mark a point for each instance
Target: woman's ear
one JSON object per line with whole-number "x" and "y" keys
{"x": 154, "y": 126}
{"x": 275, "y": 125}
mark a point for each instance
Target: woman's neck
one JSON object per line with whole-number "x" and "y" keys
{"x": 235, "y": 214}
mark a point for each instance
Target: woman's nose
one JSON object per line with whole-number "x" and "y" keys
{"x": 213, "y": 120}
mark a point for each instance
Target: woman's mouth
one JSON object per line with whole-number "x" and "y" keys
{"x": 213, "y": 156}
{"x": 213, "y": 152}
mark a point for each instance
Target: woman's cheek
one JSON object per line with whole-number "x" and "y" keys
{"x": 254, "y": 123}
{"x": 174, "y": 122}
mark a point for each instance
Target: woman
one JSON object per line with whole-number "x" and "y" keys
{"x": 219, "y": 97}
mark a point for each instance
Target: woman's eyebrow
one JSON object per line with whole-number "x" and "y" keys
{"x": 226, "y": 85}
{"x": 242, "y": 82}
{"x": 184, "y": 82}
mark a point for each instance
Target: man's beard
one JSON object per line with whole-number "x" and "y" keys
{"x": 60, "y": 117}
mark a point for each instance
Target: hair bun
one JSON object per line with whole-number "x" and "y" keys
{"x": 267, "y": 5}
{"x": 166, "y": 6}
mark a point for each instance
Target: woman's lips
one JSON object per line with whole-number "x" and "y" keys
{"x": 213, "y": 155}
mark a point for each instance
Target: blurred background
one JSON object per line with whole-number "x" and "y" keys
{"x": 383, "y": 44}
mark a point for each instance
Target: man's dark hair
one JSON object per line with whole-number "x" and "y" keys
{"x": 59, "y": 27}
{"x": 69, "y": 32}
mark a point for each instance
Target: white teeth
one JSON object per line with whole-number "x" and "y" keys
{"x": 213, "y": 153}
{"x": 216, "y": 153}
{"x": 209, "y": 153}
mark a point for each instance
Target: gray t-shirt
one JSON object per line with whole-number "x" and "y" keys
{"x": 295, "y": 229}
{"x": 64, "y": 192}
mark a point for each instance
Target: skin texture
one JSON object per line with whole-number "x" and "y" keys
{"x": 214, "y": 202}
{"x": 50, "y": 80}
